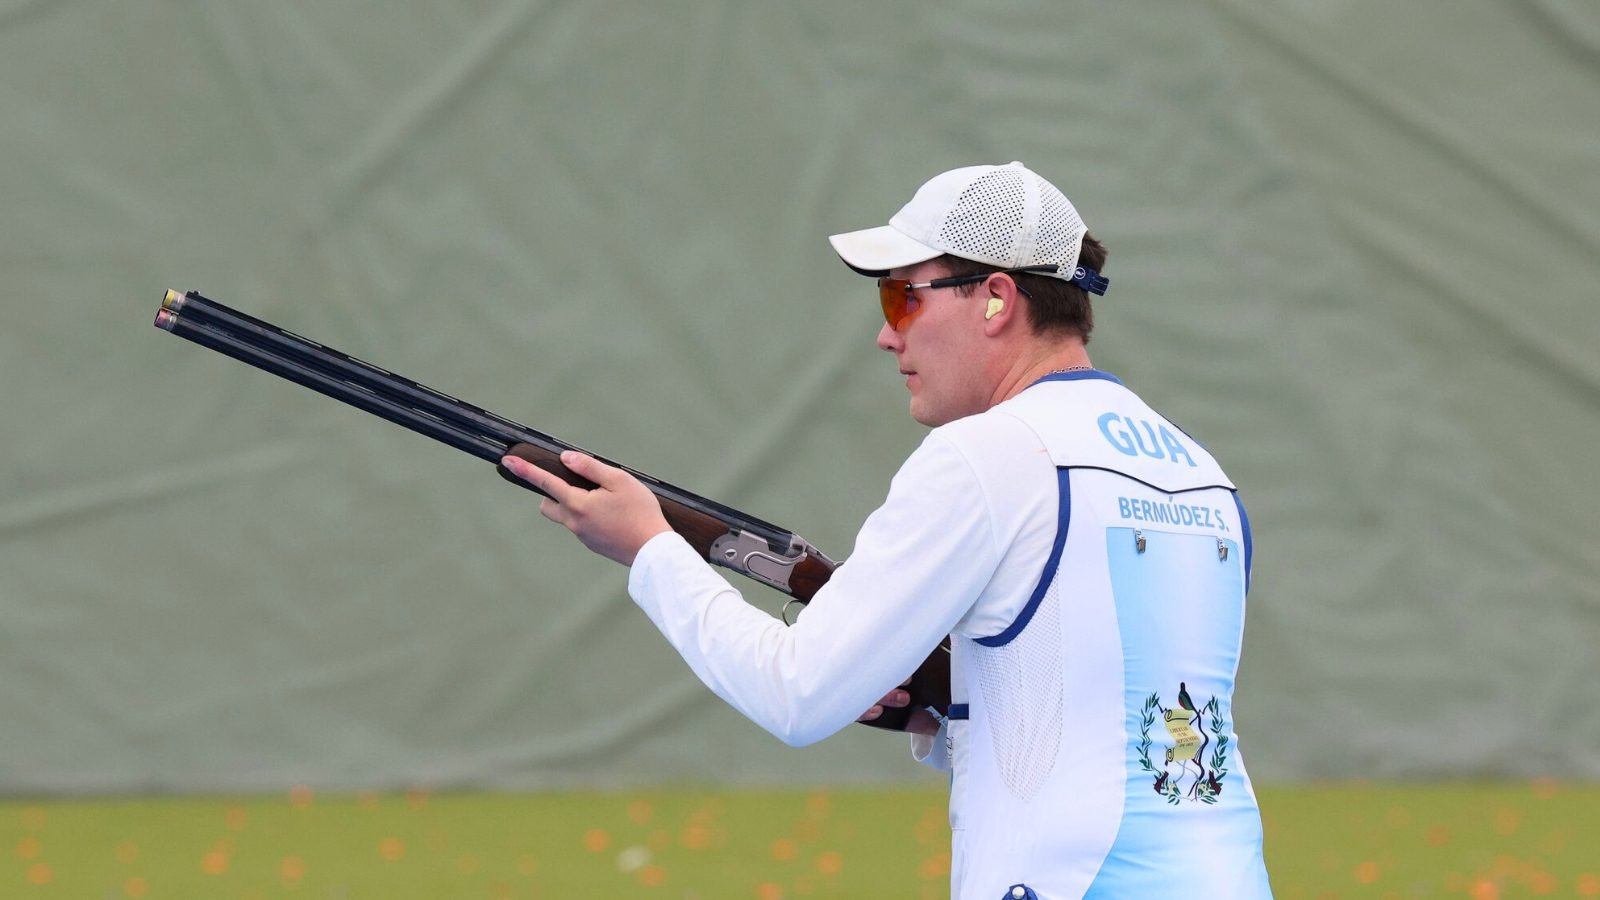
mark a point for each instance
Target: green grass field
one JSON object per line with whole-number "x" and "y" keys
{"x": 1456, "y": 840}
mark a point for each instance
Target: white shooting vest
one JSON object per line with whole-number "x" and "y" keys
{"x": 1097, "y": 756}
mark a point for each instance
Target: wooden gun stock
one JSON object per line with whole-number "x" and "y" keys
{"x": 930, "y": 685}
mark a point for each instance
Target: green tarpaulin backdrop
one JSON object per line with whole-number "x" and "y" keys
{"x": 1354, "y": 252}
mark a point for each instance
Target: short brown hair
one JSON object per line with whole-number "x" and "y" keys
{"x": 1054, "y": 306}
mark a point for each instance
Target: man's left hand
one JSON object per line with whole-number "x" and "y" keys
{"x": 614, "y": 520}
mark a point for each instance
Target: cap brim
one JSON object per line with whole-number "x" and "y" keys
{"x": 874, "y": 251}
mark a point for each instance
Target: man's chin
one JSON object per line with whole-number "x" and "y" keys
{"x": 924, "y": 416}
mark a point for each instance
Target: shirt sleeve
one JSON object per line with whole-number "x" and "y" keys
{"x": 920, "y": 562}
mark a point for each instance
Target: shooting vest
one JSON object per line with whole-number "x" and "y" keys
{"x": 1092, "y": 745}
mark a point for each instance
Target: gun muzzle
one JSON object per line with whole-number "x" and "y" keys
{"x": 165, "y": 320}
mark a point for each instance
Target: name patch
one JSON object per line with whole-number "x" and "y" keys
{"x": 1159, "y": 513}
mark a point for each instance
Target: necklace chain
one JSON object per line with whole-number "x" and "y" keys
{"x": 1069, "y": 369}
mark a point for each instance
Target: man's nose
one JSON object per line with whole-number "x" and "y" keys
{"x": 888, "y": 338}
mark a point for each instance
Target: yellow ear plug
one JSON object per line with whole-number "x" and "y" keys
{"x": 995, "y": 305}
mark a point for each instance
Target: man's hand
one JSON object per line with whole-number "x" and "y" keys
{"x": 922, "y": 721}
{"x": 614, "y": 520}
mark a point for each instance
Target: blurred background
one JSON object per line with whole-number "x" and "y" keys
{"x": 1353, "y": 248}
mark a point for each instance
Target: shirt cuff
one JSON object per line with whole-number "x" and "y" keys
{"x": 656, "y": 552}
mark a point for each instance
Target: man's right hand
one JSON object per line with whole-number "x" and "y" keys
{"x": 922, "y": 721}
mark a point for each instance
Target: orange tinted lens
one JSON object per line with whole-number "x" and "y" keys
{"x": 898, "y": 303}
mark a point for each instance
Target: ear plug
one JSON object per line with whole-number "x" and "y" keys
{"x": 995, "y": 305}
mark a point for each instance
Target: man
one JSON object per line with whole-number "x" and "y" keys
{"x": 1087, "y": 559}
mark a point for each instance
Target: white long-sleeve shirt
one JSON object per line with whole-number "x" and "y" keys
{"x": 1088, "y": 561}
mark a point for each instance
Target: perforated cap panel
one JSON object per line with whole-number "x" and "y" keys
{"x": 1009, "y": 216}
{"x": 1061, "y": 230}
{"x": 987, "y": 218}
{"x": 1005, "y": 216}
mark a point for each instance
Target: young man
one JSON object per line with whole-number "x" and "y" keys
{"x": 1087, "y": 559}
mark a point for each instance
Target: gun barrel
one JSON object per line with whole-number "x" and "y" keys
{"x": 273, "y": 343}
{"x": 281, "y": 342}
{"x": 207, "y": 335}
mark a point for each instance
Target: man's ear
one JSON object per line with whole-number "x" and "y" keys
{"x": 1003, "y": 302}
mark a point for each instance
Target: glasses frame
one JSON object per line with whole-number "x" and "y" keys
{"x": 911, "y": 305}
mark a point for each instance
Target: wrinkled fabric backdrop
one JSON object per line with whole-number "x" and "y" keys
{"x": 1353, "y": 251}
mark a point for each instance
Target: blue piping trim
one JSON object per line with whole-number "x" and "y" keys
{"x": 1249, "y": 548}
{"x": 1152, "y": 485}
{"x": 1063, "y": 518}
{"x": 957, "y": 711}
{"x": 1079, "y": 375}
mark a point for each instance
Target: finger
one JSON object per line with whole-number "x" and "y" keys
{"x": 871, "y": 714}
{"x": 896, "y": 699}
{"x": 609, "y": 477}
{"x": 551, "y": 485}
{"x": 555, "y": 512}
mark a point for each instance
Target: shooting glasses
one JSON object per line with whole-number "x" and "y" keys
{"x": 899, "y": 299}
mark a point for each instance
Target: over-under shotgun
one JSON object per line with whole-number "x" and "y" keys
{"x": 724, "y": 536}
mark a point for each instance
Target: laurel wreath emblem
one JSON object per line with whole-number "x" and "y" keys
{"x": 1207, "y": 784}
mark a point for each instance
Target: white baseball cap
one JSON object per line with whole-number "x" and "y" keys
{"x": 1004, "y": 216}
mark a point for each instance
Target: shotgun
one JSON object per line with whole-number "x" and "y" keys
{"x": 725, "y": 536}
